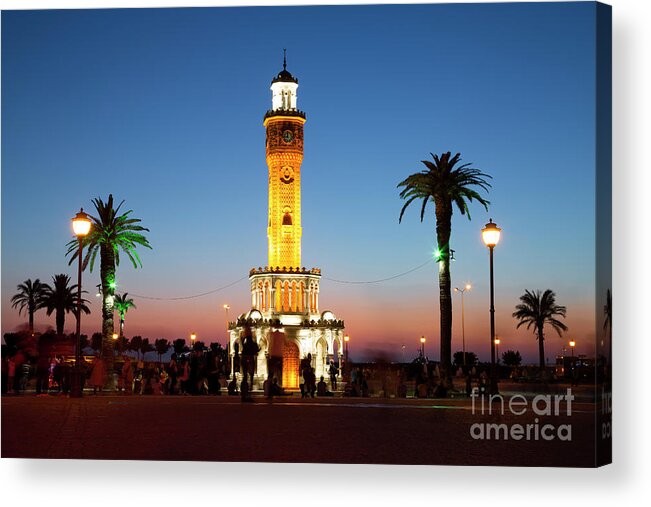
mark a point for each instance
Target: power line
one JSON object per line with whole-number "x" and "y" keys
{"x": 213, "y": 291}
{"x": 193, "y": 296}
{"x": 381, "y": 279}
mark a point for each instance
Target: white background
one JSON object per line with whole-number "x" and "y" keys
{"x": 628, "y": 480}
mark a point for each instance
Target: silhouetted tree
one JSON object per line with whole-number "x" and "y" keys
{"x": 96, "y": 342}
{"x": 162, "y": 346}
{"x": 29, "y": 298}
{"x": 61, "y": 298}
{"x": 471, "y": 358}
{"x": 537, "y": 309}
{"x": 135, "y": 344}
{"x": 511, "y": 358}
{"x": 446, "y": 184}
{"x": 122, "y": 305}
{"x": 180, "y": 346}
{"x": 199, "y": 346}
{"x": 110, "y": 232}
{"x": 145, "y": 347}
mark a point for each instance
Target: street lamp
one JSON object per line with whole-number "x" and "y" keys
{"x": 497, "y": 348}
{"x": 463, "y": 329}
{"x": 422, "y": 347}
{"x": 403, "y": 352}
{"x": 572, "y": 345}
{"x": 81, "y": 227}
{"x": 491, "y": 237}
{"x": 193, "y": 337}
{"x": 346, "y": 340}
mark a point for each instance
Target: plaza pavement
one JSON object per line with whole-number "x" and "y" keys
{"x": 288, "y": 429}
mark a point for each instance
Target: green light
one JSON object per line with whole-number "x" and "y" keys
{"x": 437, "y": 254}
{"x": 112, "y": 285}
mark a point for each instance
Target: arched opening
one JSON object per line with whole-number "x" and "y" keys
{"x": 278, "y": 296}
{"x": 286, "y": 297}
{"x": 261, "y": 369}
{"x": 287, "y": 219}
{"x": 301, "y": 297}
{"x": 321, "y": 358}
{"x": 294, "y": 297}
{"x": 290, "y": 365}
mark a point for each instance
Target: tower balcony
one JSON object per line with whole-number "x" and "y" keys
{"x": 284, "y": 112}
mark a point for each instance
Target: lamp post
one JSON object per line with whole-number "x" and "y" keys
{"x": 422, "y": 347}
{"x": 403, "y": 352}
{"x": 81, "y": 227}
{"x": 497, "y": 349}
{"x": 193, "y": 337}
{"x": 463, "y": 329}
{"x": 572, "y": 345}
{"x": 228, "y": 338}
{"x": 491, "y": 237}
{"x": 115, "y": 340}
{"x": 346, "y": 340}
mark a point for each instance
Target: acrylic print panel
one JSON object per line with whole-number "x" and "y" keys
{"x": 340, "y": 234}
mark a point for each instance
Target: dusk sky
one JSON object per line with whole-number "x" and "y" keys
{"x": 163, "y": 108}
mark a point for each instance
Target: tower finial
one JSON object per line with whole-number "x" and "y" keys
{"x": 284, "y": 59}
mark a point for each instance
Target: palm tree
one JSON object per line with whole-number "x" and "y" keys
{"x": 162, "y": 346}
{"x": 30, "y": 297}
{"x": 61, "y": 298}
{"x": 122, "y": 305}
{"x": 110, "y": 233}
{"x": 535, "y": 310}
{"x": 446, "y": 184}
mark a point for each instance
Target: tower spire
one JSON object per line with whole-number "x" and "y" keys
{"x": 284, "y": 59}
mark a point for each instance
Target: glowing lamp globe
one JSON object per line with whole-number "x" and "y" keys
{"x": 193, "y": 336}
{"x": 422, "y": 339}
{"x": 497, "y": 341}
{"x": 346, "y": 338}
{"x": 491, "y": 234}
{"x": 572, "y": 343}
{"x": 115, "y": 336}
{"x": 468, "y": 286}
{"x": 81, "y": 224}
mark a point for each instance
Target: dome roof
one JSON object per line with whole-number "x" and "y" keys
{"x": 284, "y": 76}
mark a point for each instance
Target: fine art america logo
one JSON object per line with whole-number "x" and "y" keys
{"x": 542, "y": 405}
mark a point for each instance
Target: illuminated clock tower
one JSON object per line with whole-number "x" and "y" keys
{"x": 285, "y": 318}
{"x": 284, "y": 146}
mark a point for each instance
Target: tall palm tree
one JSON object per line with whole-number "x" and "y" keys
{"x": 122, "y": 305}
{"x": 535, "y": 310}
{"x": 446, "y": 183}
{"x": 111, "y": 232}
{"x": 61, "y": 298}
{"x": 29, "y": 298}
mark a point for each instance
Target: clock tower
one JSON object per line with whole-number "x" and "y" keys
{"x": 285, "y": 318}
{"x": 284, "y": 150}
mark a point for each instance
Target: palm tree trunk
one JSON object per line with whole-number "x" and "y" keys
{"x": 443, "y": 231}
{"x": 541, "y": 350}
{"x": 107, "y": 275}
{"x": 60, "y": 319}
{"x": 31, "y": 320}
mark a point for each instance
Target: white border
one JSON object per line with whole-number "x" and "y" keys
{"x": 100, "y": 483}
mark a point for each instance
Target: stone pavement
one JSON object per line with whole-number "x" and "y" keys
{"x": 330, "y": 430}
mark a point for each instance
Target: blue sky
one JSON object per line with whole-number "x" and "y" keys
{"x": 163, "y": 108}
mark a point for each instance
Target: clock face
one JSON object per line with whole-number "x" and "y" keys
{"x": 288, "y": 136}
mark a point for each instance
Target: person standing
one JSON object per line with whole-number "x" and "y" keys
{"x": 98, "y": 374}
{"x": 127, "y": 376}
{"x": 250, "y": 351}
{"x": 333, "y": 371}
{"x": 11, "y": 374}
